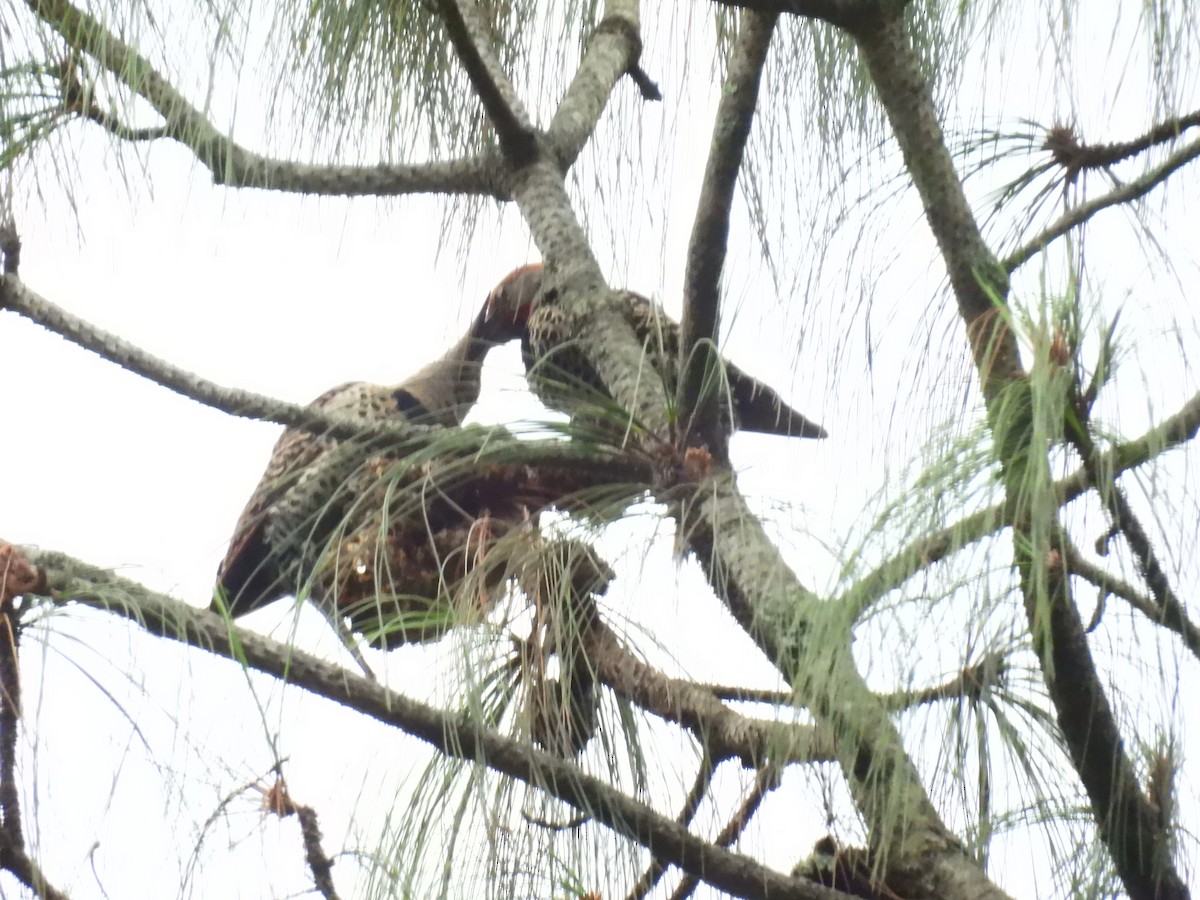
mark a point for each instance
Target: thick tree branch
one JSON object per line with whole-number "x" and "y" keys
{"x": 980, "y": 286}
{"x": 473, "y": 45}
{"x": 453, "y": 734}
{"x": 235, "y": 166}
{"x": 612, "y": 50}
{"x": 594, "y": 315}
{"x": 710, "y": 231}
{"x": 1124, "y": 194}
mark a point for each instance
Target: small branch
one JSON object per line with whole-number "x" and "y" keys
{"x": 318, "y": 862}
{"x": 280, "y": 803}
{"x": 736, "y": 694}
{"x": 230, "y": 163}
{"x": 1124, "y": 194}
{"x": 473, "y": 44}
{"x": 645, "y": 83}
{"x": 967, "y": 683}
{"x": 10, "y": 711}
{"x": 1107, "y": 583}
{"x": 691, "y": 803}
{"x": 1076, "y": 157}
{"x": 1171, "y": 611}
{"x": 16, "y": 296}
{"x": 710, "y": 231}
{"x": 1174, "y": 431}
{"x": 451, "y": 733}
{"x": 612, "y": 52}
{"x": 765, "y": 781}
{"x": 723, "y": 733}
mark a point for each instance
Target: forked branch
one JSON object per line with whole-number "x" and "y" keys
{"x": 1080, "y": 214}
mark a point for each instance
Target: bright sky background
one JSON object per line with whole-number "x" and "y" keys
{"x": 287, "y": 297}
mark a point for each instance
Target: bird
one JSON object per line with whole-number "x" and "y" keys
{"x": 562, "y": 377}
{"x": 312, "y": 482}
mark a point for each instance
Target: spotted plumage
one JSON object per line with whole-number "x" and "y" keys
{"x": 311, "y": 480}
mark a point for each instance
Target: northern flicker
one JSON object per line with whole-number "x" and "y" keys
{"x": 309, "y": 484}
{"x": 559, "y": 373}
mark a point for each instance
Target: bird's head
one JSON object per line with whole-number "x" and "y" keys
{"x": 511, "y": 301}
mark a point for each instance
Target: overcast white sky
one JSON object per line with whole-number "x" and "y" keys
{"x": 289, "y": 296}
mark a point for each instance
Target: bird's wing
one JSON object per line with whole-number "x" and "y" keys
{"x": 247, "y": 576}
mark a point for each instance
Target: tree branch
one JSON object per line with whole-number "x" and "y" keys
{"x": 279, "y": 802}
{"x": 1174, "y": 431}
{"x": 235, "y": 166}
{"x": 691, "y": 804}
{"x": 1084, "y": 211}
{"x": 1122, "y": 517}
{"x": 473, "y": 45}
{"x": 453, "y": 734}
{"x": 1078, "y": 564}
{"x": 765, "y": 781}
{"x": 612, "y": 50}
{"x": 1075, "y": 156}
{"x": 966, "y": 683}
{"x": 710, "y": 230}
{"x": 16, "y": 296}
{"x": 722, "y": 732}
